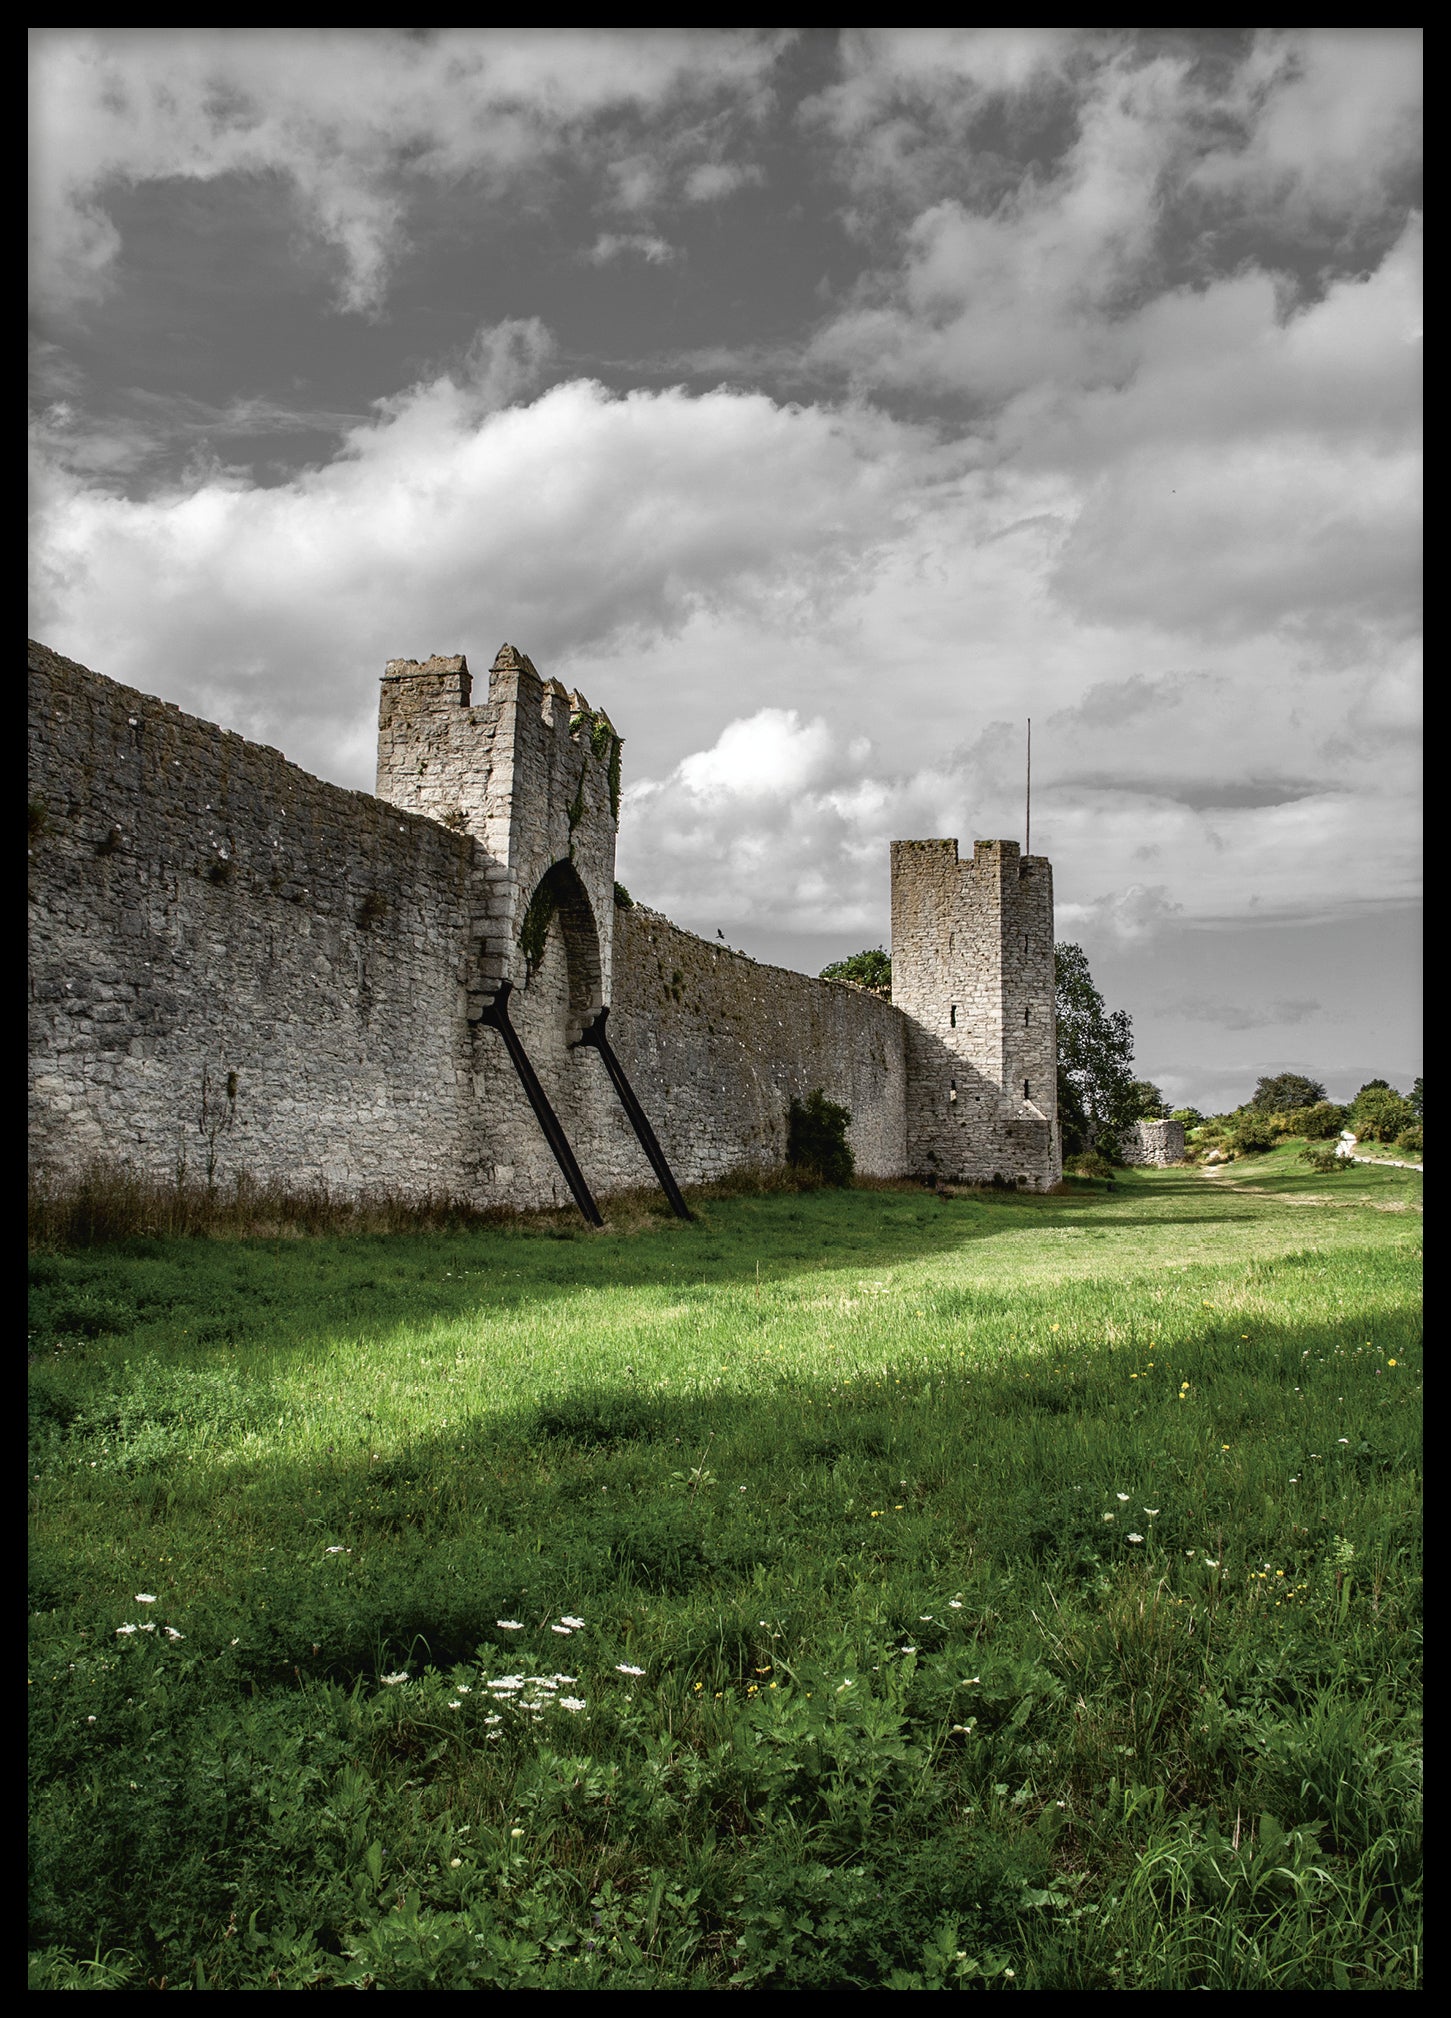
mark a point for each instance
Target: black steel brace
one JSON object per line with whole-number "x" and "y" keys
{"x": 497, "y": 1018}
{"x": 594, "y": 1034}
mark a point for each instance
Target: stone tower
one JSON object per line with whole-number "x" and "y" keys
{"x": 972, "y": 971}
{"x": 534, "y": 775}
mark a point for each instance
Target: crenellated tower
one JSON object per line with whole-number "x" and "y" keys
{"x": 972, "y": 971}
{"x": 533, "y": 774}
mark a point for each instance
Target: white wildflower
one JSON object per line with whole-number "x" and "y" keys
{"x": 172, "y": 1633}
{"x": 147, "y": 1626}
{"x": 566, "y": 1679}
{"x": 624, "y": 1668}
{"x": 1151, "y": 1511}
{"x": 573, "y": 1624}
{"x": 391, "y": 1681}
{"x": 455, "y": 1705}
{"x": 570, "y": 1703}
{"x": 149, "y": 1597}
{"x": 127, "y": 1628}
{"x": 493, "y": 1720}
{"x": 337, "y": 1549}
{"x": 565, "y": 1630}
{"x": 954, "y": 1604}
{"x": 1135, "y": 1538}
{"x": 1121, "y": 1495}
{"x": 510, "y": 1625}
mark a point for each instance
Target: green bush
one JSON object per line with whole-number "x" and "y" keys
{"x": 1088, "y": 1163}
{"x": 816, "y": 1141}
{"x": 1190, "y": 1116}
{"x": 1322, "y": 1157}
{"x": 1379, "y": 1114}
{"x": 1253, "y": 1135}
{"x": 1320, "y": 1122}
{"x": 1411, "y": 1138}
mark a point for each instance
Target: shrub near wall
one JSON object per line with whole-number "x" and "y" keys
{"x": 816, "y": 1143}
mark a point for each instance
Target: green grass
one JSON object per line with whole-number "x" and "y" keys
{"x": 857, "y": 1480}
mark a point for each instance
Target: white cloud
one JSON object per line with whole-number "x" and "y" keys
{"x": 354, "y": 120}
{"x": 579, "y": 518}
{"x": 713, "y": 180}
{"x": 1330, "y": 117}
{"x": 645, "y": 245}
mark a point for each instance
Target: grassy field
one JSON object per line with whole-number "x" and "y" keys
{"x": 851, "y": 1589}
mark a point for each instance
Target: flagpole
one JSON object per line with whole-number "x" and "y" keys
{"x": 1028, "y": 804}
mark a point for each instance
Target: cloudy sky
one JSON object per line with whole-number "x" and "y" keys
{"x": 823, "y": 404}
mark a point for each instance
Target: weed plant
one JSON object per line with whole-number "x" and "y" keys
{"x": 856, "y": 1589}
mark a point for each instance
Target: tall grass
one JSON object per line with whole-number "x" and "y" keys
{"x": 980, "y": 1591}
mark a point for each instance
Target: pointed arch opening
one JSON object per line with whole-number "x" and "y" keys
{"x": 560, "y": 898}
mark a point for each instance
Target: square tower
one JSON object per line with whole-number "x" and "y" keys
{"x": 533, "y": 774}
{"x": 972, "y": 971}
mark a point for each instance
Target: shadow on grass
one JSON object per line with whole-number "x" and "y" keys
{"x": 609, "y": 1497}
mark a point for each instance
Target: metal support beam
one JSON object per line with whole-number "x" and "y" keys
{"x": 594, "y": 1035}
{"x": 496, "y": 1016}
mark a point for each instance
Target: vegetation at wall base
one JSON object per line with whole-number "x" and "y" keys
{"x": 816, "y": 1143}
{"x": 852, "y": 1589}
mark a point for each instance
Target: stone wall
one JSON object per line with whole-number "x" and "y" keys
{"x": 237, "y": 967}
{"x": 972, "y": 970}
{"x": 232, "y": 964}
{"x": 717, "y": 1045}
{"x": 1157, "y": 1142}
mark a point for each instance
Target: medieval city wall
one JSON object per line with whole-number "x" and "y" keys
{"x": 232, "y": 963}
{"x": 717, "y": 1045}
{"x": 236, "y": 967}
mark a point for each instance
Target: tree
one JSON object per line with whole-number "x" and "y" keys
{"x": 1150, "y": 1102}
{"x": 1286, "y": 1091}
{"x": 1414, "y": 1097}
{"x": 1378, "y": 1112}
{"x": 871, "y": 970}
{"x": 1097, "y": 1093}
{"x": 1190, "y": 1116}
